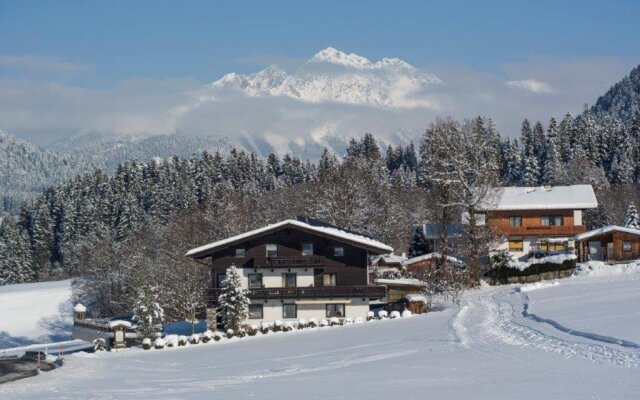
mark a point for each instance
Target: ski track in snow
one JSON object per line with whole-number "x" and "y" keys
{"x": 494, "y": 310}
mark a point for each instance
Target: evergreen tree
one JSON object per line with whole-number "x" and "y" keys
{"x": 234, "y": 302}
{"x": 147, "y": 312}
{"x": 632, "y": 220}
{"x": 418, "y": 245}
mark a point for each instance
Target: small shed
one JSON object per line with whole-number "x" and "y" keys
{"x": 424, "y": 265}
{"x": 610, "y": 243}
{"x": 79, "y": 311}
{"x": 416, "y": 303}
{"x": 119, "y": 329}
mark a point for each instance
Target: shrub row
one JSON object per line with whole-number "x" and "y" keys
{"x": 502, "y": 273}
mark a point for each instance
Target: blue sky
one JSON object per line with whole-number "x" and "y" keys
{"x": 204, "y": 39}
{"x": 122, "y": 66}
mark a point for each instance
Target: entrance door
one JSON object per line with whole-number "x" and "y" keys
{"x": 595, "y": 251}
{"x": 610, "y": 253}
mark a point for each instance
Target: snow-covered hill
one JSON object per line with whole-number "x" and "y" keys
{"x": 35, "y": 313}
{"x": 571, "y": 339}
{"x": 332, "y": 76}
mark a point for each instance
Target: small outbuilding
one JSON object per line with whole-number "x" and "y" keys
{"x": 610, "y": 243}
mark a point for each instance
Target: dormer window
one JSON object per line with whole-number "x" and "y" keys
{"x": 307, "y": 249}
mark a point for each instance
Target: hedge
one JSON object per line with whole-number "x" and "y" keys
{"x": 504, "y": 272}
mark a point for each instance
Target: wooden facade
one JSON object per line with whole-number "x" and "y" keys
{"x": 610, "y": 246}
{"x": 532, "y": 223}
{"x": 345, "y": 261}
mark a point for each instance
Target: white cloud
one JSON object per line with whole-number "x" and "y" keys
{"x": 44, "y": 111}
{"x": 531, "y": 85}
{"x": 34, "y": 63}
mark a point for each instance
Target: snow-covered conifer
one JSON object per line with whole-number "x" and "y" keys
{"x": 234, "y": 302}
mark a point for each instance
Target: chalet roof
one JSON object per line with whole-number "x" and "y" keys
{"x": 430, "y": 256}
{"x": 322, "y": 230}
{"x": 389, "y": 259}
{"x": 574, "y": 197}
{"x": 604, "y": 230}
{"x": 432, "y": 231}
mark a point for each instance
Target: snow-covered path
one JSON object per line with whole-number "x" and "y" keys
{"x": 486, "y": 349}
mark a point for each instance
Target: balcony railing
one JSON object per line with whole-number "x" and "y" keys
{"x": 309, "y": 292}
{"x": 564, "y": 230}
{"x": 287, "y": 262}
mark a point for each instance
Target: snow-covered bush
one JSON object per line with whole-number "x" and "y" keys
{"x": 323, "y": 323}
{"x": 358, "y": 320}
{"x": 382, "y": 314}
{"x": 277, "y": 325}
{"x": 407, "y": 314}
{"x": 370, "y": 315}
{"x": 252, "y": 330}
{"x": 194, "y": 339}
{"x": 347, "y": 321}
{"x": 146, "y": 343}
{"x": 241, "y": 332}
{"x": 288, "y": 326}
{"x": 312, "y": 323}
{"x": 264, "y": 327}
{"x": 394, "y": 314}
{"x": 217, "y": 336}
{"x": 333, "y": 321}
{"x": 230, "y": 333}
{"x": 98, "y": 344}
{"x": 302, "y": 323}
{"x": 182, "y": 340}
{"x": 171, "y": 340}
{"x": 206, "y": 336}
{"x": 159, "y": 343}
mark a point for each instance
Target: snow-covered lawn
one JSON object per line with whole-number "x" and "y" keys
{"x": 35, "y": 313}
{"x": 490, "y": 348}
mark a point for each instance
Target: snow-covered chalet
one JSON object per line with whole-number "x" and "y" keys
{"x": 296, "y": 269}
{"x": 540, "y": 219}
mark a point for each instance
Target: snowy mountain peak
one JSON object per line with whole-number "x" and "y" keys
{"x": 390, "y": 82}
{"x": 334, "y": 56}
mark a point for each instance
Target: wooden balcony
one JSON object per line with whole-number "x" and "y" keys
{"x": 288, "y": 262}
{"x": 317, "y": 292}
{"x": 564, "y": 230}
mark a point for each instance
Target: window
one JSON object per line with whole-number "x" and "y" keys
{"x": 328, "y": 279}
{"x": 255, "y": 311}
{"x": 255, "y": 281}
{"x": 272, "y": 250}
{"x": 289, "y": 311}
{"x": 289, "y": 279}
{"x": 221, "y": 280}
{"x": 240, "y": 253}
{"x": 516, "y": 245}
{"x": 552, "y": 220}
{"x": 307, "y": 249}
{"x": 515, "y": 222}
{"x": 626, "y": 246}
{"x": 335, "y": 310}
{"x": 338, "y": 251}
{"x": 552, "y": 246}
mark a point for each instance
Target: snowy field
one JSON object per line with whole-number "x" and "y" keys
{"x": 35, "y": 313}
{"x": 575, "y": 338}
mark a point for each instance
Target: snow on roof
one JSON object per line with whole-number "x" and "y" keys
{"x": 401, "y": 282}
{"x": 430, "y": 256}
{"x": 606, "y": 229}
{"x": 416, "y": 298}
{"x": 79, "y": 308}
{"x": 574, "y": 197}
{"x": 119, "y": 322}
{"x": 323, "y": 230}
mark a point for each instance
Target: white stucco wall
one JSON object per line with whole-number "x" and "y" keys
{"x": 528, "y": 244}
{"x": 272, "y": 309}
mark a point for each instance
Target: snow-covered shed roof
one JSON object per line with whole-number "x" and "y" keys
{"x": 79, "y": 308}
{"x": 606, "y": 229}
{"x": 574, "y": 197}
{"x": 401, "y": 282}
{"x": 389, "y": 259}
{"x": 326, "y": 231}
{"x": 416, "y": 298}
{"x": 430, "y": 256}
